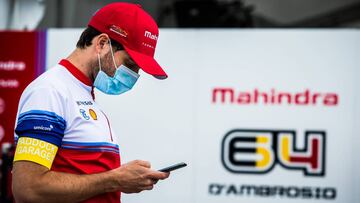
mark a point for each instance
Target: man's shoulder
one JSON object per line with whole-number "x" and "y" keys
{"x": 53, "y": 76}
{"x": 53, "y": 81}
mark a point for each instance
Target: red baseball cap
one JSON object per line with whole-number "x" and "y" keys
{"x": 133, "y": 28}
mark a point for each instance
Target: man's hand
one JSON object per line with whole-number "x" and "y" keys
{"x": 35, "y": 183}
{"x": 136, "y": 176}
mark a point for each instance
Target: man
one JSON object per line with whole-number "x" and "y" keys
{"x": 65, "y": 145}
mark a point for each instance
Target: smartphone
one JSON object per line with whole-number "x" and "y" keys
{"x": 173, "y": 167}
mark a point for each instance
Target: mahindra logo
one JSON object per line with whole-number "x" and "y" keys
{"x": 150, "y": 35}
{"x": 273, "y": 97}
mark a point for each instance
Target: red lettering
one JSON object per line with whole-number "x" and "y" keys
{"x": 331, "y": 99}
{"x": 286, "y": 95}
{"x": 244, "y": 98}
{"x": 258, "y": 94}
{"x": 273, "y": 98}
{"x": 228, "y": 95}
{"x": 302, "y": 98}
{"x": 315, "y": 96}
{"x": 223, "y": 92}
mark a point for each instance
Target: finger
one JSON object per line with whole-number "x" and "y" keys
{"x": 147, "y": 182}
{"x": 156, "y": 175}
{"x": 145, "y": 164}
{"x": 130, "y": 191}
{"x": 150, "y": 187}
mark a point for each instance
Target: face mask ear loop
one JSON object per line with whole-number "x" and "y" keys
{"x": 112, "y": 54}
{"x": 98, "y": 55}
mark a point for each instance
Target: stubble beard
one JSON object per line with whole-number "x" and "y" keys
{"x": 107, "y": 65}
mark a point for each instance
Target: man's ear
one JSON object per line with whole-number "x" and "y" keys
{"x": 100, "y": 42}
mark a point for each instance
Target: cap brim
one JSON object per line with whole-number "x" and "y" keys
{"x": 147, "y": 64}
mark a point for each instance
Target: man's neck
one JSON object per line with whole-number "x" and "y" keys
{"x": 81, "y": 60}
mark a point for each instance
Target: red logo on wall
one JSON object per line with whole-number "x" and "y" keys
{"x": 273, "y": 97}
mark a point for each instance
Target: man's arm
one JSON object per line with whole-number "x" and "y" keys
{"x": 35, "y": 183}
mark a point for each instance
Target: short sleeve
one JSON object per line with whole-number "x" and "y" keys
{"x": 40, "y": 126}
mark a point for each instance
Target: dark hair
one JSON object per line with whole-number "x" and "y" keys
{"x": 88, "y": 35}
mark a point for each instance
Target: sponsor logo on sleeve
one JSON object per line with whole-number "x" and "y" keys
{"x": 44, "y": 128}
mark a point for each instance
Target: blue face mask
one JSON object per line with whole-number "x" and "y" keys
{"x": 123, "y": 80}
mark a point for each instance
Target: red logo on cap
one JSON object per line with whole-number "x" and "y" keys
{"x": 118, "y": 31}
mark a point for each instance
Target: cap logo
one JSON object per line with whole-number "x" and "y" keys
{"x": 148, "y": 45}
{"x": 118, "y": 31}
{"x": 148, "y": 34}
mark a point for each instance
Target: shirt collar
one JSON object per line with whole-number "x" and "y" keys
{"x": 78, "y": 74}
